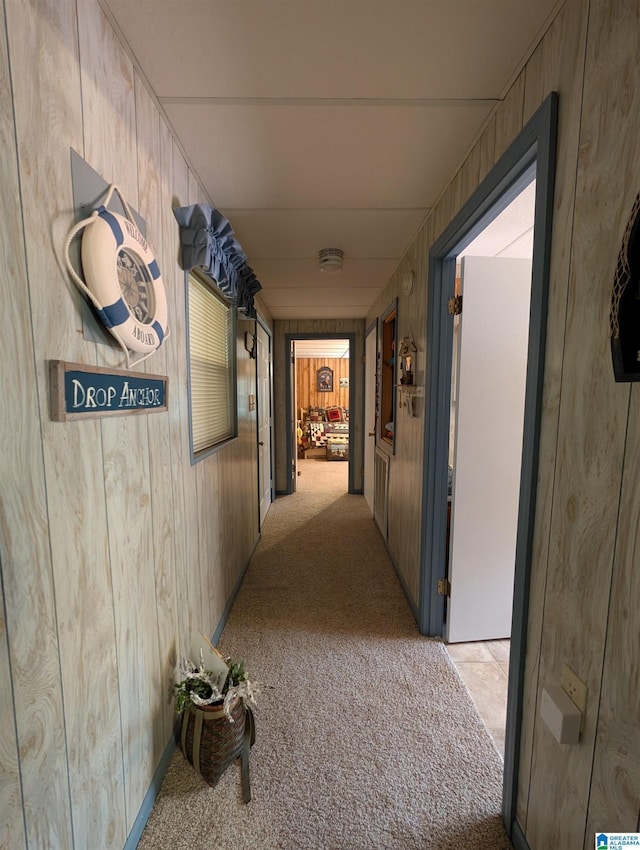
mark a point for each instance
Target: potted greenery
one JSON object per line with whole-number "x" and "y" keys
{"x": 215, "y": 700}
{"x": 201, "y": 687}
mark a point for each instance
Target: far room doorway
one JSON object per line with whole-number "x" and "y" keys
{"x": 321, "y": 390}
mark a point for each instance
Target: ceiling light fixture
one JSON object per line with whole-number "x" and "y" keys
{"x": 330, "y": 260}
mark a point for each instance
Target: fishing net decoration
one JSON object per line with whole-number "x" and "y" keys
{"x": 625, "y": 303}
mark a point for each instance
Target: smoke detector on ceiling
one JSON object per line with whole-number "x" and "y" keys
{"x": 330, "y": 260}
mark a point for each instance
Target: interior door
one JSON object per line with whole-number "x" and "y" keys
{"x": 492, "y": 361}
{"x": 370, "y": 416}
{"x": 263, "y": 367}
{"x": 293, "y": 418}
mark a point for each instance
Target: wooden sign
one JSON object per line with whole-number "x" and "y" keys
{"x": 324, "y": 380}
{"x": 87, "y": 392}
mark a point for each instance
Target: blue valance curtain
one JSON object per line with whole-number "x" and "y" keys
{"x": 208, "y": 242}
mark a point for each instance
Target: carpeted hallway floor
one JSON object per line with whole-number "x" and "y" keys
{"x": 366, "y": 736}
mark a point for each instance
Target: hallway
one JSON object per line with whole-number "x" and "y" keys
{"x": 366, "y": 736}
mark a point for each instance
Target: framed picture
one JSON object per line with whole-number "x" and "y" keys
{"x": 344, "y": 381}
{"x": 324, "y": 380}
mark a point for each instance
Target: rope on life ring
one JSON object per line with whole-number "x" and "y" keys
{"x": 115, "y": 254}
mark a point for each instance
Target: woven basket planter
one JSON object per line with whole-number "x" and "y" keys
{"x": 210, "y": 742}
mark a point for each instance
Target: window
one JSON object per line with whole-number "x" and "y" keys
{"x": 211, "y": 335}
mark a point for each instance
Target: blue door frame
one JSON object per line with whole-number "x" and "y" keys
{"x": 533, "y": 151}
{"x": 353, "y": 379}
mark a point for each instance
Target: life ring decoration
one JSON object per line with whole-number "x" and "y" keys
{"x": 122, "y": 279}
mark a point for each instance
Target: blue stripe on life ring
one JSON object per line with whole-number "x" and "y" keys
{"x": 154, "y": 271}
{"x": 115, "y": 314}
{"x": 159, "y": 330}
{"x": 107, "y": 217}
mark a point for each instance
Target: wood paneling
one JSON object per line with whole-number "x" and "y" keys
{"x": 108, "y": 551}
{"x": 487, "y": 150}
{"x": 592, "y": 533}
{"x": 21, "y": 470}
{"x": 405, "y": 496}
{"x": 442, "y": 211}
{"x": 509, "y": 117}
{"x": 152, "y": 160}
{"x": 200, "y": 493}
{"x": 307, "y": 394}
{"x": 12, "y": 826}
{"x": 113, "y": 547}
{"x": 110, "y": 146}
{"x": 183, "y": 476}
{"x": 586, "y": 531}
{"x": 167, "y": 519}
{"x": 129, "y": 516}
{"x": 108, "y": 105}
{"x": 534, "y": 82}
{"x": 562, "y": 70}
{"x": 210, "y": 524}
{"x": 42, "y": 478}
{"x": 615, "y": 785}
{"x": 469, "y": 177}
{"x": 405, "y": 474}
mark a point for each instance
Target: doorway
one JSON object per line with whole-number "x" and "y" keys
{"x": 320, "y": 411}
{"x": 532, "y": 154}
{"x": 370, "y": 350}
{"x": 488, "y": 383}
{"x": 264, "y": 420}
{"x": 489, "y": 358}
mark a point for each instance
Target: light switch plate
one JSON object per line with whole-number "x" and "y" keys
{"x": 560, "y": 714}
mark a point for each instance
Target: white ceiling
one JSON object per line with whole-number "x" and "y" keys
{"x": 333, "y": 124}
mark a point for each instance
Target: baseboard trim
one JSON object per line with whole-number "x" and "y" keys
{"x": 403, "y": 584}
{"x": 517, "y": 837}
{"x": 163, "y": 765}
{"x": 232, "y": 598}
{"x": 150, "y": 797}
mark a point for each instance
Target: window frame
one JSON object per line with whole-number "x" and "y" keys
{"x": 232, "y": 366}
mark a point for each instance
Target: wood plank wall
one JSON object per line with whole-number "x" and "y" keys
{"x": 113, "y": 547}
{"x": 281, "y": 328}
{"x": 584, "y": 591}
{"x": 307, "y": 394}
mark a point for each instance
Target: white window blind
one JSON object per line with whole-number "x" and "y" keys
{"x": 211, "y": 367}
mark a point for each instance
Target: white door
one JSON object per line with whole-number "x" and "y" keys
{"x": 492, "y": 358}
{"x": 369, "y": 416}
{"x": 263, "y": 359}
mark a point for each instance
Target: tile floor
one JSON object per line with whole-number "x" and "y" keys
{"x": 484, "y": 668}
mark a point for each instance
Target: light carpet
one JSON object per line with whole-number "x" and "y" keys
{"x": 366, "y": 737}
